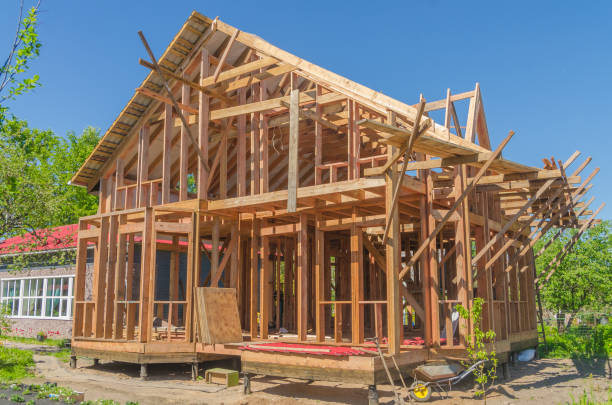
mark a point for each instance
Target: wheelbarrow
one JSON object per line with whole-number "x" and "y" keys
{"x": 422, "y": 387}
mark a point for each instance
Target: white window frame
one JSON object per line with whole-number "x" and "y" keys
{"x": 45, "y": 279}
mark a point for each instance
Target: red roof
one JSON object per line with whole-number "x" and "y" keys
{"x": 61, "y": 237}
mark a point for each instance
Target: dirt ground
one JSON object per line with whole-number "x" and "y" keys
{"x": 539, "y": 382}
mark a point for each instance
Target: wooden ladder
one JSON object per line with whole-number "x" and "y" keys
{"x": 541, "y": 332}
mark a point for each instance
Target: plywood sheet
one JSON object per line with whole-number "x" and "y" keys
{"x": 217, "y": 315}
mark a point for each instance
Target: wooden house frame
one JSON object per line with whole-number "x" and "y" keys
{"x": 336, "y": 212}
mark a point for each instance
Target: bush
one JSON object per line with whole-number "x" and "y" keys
{"x": 578, "y": 342}
{"x": 15, "y": 364}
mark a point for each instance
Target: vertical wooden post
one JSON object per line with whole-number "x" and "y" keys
{"x": 143, "y": 165}
{"x": 214, "y": 253}
{"x": 356, "y": 281}
{"x": 463, "y": 251}
{"x": 193, "y": 260}
{"x": 264, "y": 287}
{"x": 184, "y": 153}
{"x": 253, "y": 277}
{"x": 203, "y": 122}
{"x": 255, "y": 138}
{"x": 319, "y": 281}
{"x": 101, "y": 266}
{"x": 146, "y": 300}
{"x": 119, "y": 176}
{"x": 392, "y": 250}
{"x": 167, "y": 153}
{"x": 293, "y": 150}
{"x": 350, "y": 147}
{"x": 318, "y": 139}
{"x": 302, "y": 279}
{"x": 79, "y": 283}
{"x": 241, "y": 153}
{"x": 263, "y": 144}
{"x": 110, "y": 277}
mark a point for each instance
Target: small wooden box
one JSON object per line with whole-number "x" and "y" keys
{"x": 222, "y": 376}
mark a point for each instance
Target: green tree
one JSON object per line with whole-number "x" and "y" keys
{"x": 583, "y": 279}
{"x": 23, "y": 50}
{"x": 35, "y": 170}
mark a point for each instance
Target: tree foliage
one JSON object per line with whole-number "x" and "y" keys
{"x": 583, "y": 279}
{"x": 25, "y": 48}
{"x": 35, "y": 169}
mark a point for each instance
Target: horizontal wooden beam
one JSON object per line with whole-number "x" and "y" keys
{"x": 239, "y": 70}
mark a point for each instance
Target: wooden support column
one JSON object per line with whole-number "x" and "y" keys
{"x": 318, "y": 139}
{"x": 294, "y": 120}
{"x": 143, "y": 166}
{"x": 146, "y": 269}
{"x": 167, "y": 153}
{"x": 119, "y": 201}
{"x": 265, "y": 292}
{"x": 253, "y": 277}
{"x": 255, "y": 138}
{"x": 241, "y": 152}
{"x": 203, "y": 122}
{"x": 430, "y": 265}
{"x": 214, "y": 253}
{"x": 463, "y": 251}
{"x": 184, "y": 150}
{"x": 302, "y": 278}
{"x": 263, "y": 143}
{"x": 193, "y": 269}
{"x": 319, "y": 281}
{"x": 392, "y": 250}
{"x": 356, "y": 281}
{"x": 100, "y": 269}
{"x": 110, "y": 277}
{"x": 79, "y": 282}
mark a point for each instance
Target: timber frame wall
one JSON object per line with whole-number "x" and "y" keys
{"x": 336, "y": 212}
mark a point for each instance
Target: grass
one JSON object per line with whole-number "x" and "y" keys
{"x": 578, "y": 342}
{"x": 15, "y": 364}
{"x": 33, "y": 341}
{"x": 589, "y": 399}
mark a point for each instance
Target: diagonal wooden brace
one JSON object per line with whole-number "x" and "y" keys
{"x": 174, "y": 102}
{"x": 456, "y": 204}
{"x": 499, "y": 236}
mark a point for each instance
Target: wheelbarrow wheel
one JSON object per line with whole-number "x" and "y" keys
{"x": 419, "y": 391}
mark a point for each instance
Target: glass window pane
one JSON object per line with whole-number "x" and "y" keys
{"x": 65, "y": 287}
{"x": 41, "y": 284}
{"x": 48, "y": 307}
{"x": 5, "y": 288}
{"x": 49, "y": 292}
{"x": 15, "y": 307}
{"x": 56, "y": 307}
{"x": 39, "y": 307}
{"x": 57, "y": 287}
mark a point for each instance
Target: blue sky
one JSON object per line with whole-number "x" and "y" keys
{"x": 545, "y": 68}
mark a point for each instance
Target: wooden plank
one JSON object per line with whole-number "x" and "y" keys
{"x": 167, "y": 153}
{"x": 238, "y": 71}
{"x": 319, "y": 280}
{"x": 357, "y": 325}
{"x": 144, "y": 318}
{"x": 218, "y": 320}
{"x": 166, "y": 100}
{"x": 203, "y": 132}
{"x": 293, "y": 152}
{"x": 392, "y": 248}
{"x": 100, "y": 270}
{"x": 109, "y": 311}
{"x": 254, "y": 268}
{"x": 184, "y": 151}
{"x": 223, "y": 58}
{"x": 265, "y": 291}
{"x": 302, "y": 279}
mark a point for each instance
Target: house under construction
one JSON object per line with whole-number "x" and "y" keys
{"x": 334, "y": 214}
